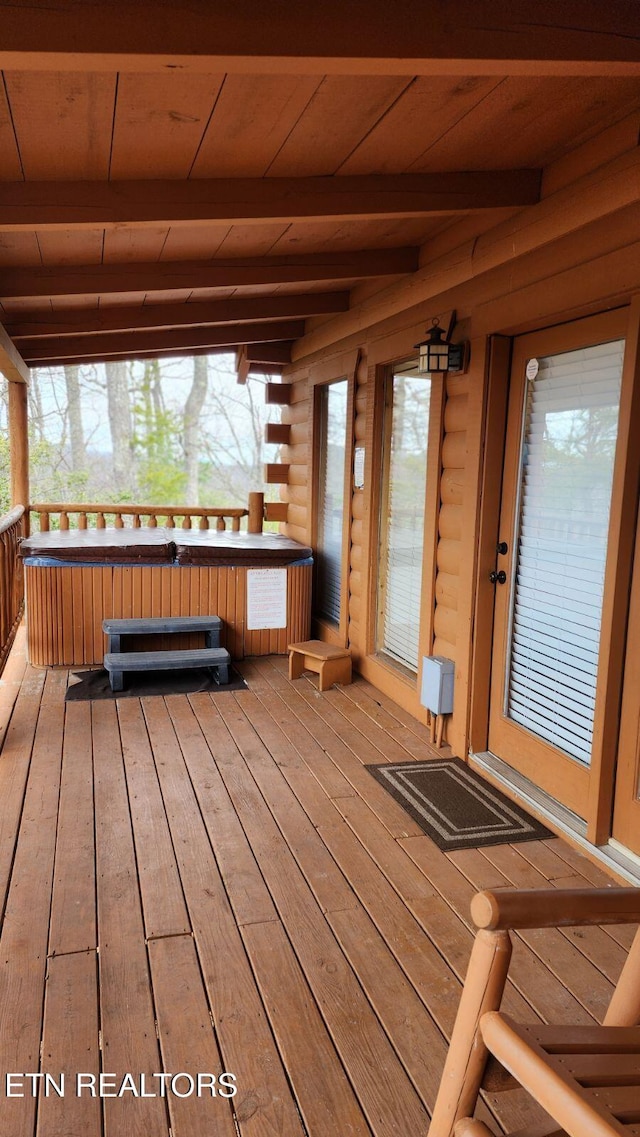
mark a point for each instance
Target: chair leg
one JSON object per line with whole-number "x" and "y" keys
{"x": 624, "y": 1008}
{"x": 467, "y": 1056}
{"x": 469, "y": 1127}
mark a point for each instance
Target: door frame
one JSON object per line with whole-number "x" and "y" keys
{"x": 620, "y": 549}
{"x": 341, "y": 367}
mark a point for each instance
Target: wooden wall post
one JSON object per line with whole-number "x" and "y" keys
{"x": 19, "y": 447}
{"x": 256, "y": 513}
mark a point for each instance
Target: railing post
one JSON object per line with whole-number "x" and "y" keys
{"x": 19, "y": 448}
{"x": 256, "y": 513}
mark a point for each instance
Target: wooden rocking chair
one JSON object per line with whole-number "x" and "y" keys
{"x": 587, "y": 1078}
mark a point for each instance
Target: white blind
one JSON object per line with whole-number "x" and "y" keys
{"x": 402, "y": 521}
{"x": 569, "y": 439}
{"x": 333, "y": 431}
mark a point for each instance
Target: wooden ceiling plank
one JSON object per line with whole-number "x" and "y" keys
{"x": 71, "y": 246}
{"x": 159, "y": 123}
{"x": 123, "y": 244}
{"x": 78, "y": 280}
{"x": 12, "y": 365}
{"x": 185, "y": 339}
{"x": 155, "y": 204}
{"x": 10, "y": 165}
{"x": 248, "y": 240}
{"x": 19, "y": 249}
{"x": 349, "y": 236}
{"x": 254, "y": 115}
{"x": 464, "y": 36}
{"x": 426, "y": 111}
{"x": 63, "y": 123}
{"x": 528, "y": 116}
{"x": 342, "y": 111}
{"x": 73, "y": 321}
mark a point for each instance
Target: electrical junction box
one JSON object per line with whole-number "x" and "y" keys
{"x": 437, "y": 684}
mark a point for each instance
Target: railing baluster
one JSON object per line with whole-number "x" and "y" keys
{"x": 119, "y": 523}
{"x": 44, "y": 522}
{"x": 100, "y": 522}
{"x": 82, "y": 521}
{"x": 64, "y": 520}
{"x": 220, "y": 524}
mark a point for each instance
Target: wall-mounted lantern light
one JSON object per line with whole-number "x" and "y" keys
{"x": 437, "y": 354}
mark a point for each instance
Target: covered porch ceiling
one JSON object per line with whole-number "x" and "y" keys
{"x": 187, "y": 178}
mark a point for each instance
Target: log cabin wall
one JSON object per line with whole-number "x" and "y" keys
{"x": 575, "y": 253}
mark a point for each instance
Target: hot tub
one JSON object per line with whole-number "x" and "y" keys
{"x": 74, "y": 579}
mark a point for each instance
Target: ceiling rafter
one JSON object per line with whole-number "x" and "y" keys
{"x": 50, "y": 206}
{"x": 474, "y": 37}
{"x": 12, "y": 365}
{"x": 96, "y": 346}
{"x": 160, "y": 276}
{"x": 74, "y": 321}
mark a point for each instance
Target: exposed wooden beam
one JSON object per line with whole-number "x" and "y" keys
{"x": 12, "y": 365}
{"x": 82, "y": 280}
{"x": 177, "y": 339}
{"x": 475, "y": 37}
{"x": 268, "y": 369}
{"x": 278, "y": 353}
{"x": 119, "y": 357}
{"x": 242, "y": 365}
{"x": 277, "y": 433}
{"x": 75, "y": 321}
{"x": 598, "y": 196}
{"x": 25, "y": 206}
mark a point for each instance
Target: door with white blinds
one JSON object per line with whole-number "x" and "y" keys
{"x": 404, "y": 474}
{"x": 332, "y": 412}
{"x": 563, "y": 427}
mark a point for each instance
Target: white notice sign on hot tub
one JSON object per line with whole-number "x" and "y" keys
{"x": 266, "y": 598}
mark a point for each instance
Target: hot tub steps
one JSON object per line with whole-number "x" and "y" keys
{"x": 213, "y": 656}
{"x": 117, "y": 662}
{"x": 150, "y": 625}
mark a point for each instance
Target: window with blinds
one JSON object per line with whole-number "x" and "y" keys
{"x": 404, "y": 472}
{"x": 568, "y": 450}
{"x": 332, "y": 408}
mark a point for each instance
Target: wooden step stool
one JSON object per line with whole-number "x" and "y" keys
{"x": 331, "y": 664}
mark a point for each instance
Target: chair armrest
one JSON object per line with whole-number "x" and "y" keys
{"x": 555, "y": 908}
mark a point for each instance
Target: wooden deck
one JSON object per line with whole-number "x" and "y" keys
{"x": 215, "y": 883}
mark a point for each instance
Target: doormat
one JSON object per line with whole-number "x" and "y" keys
{"x": 95, "y": 684}
{"x": 456, "y": 807}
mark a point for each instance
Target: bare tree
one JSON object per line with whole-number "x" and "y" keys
{"x": 119, "y": 412}
{"x": 191, "y": 428}
{"x": 74, "y": 410}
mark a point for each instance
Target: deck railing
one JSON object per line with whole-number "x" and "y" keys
{"x": 11, "y": 579}
{"x": 90, "y": 515}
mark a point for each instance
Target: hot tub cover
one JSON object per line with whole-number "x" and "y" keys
{"x": 102, "y": 546}
{"x": 163, "y": 546}
{"x": 209, "y": 547}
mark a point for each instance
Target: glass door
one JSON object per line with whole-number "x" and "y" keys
{"x": 561, "y": 444}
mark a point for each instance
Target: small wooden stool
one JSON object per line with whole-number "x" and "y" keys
{"x": 332, "y": 664}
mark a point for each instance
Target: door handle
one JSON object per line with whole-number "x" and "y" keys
{"x": 498, "y": 577}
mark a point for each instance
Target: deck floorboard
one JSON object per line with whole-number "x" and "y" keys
{"x": 214, "y": 882}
